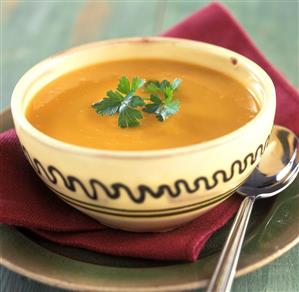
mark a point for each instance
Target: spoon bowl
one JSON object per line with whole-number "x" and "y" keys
{"x": 276, "y": 170}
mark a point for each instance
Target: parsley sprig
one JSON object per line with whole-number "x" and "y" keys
{"x": 163, "y": 104}
{"x": 124, "y": 101}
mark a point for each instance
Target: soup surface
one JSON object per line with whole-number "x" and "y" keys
{"x": 211, "y": 105}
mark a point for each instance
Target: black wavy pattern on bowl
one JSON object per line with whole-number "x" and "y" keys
{"x": 51, "y": 173}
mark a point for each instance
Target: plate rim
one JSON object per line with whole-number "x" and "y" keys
{"x": 41, "y": 278}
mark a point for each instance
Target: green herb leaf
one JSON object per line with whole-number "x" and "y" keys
{"x": 129, "y": 117}
{"x": 152, "y": 86}
{"x": 176, "y": 83}
{"x": 167, "y": 110}
{"x": 166, "y": 106}
{"x": 137, "y": 83}
{"x": 124, "y": 85}
{"x": 137, "y": 101}
{"x": 108, "y": 105}
{"x": 164, "y": 84}
{"x": 154, "y": 106}
{"x": 123, "y": 101}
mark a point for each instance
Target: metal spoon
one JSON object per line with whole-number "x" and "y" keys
{"x": 277, "y": 169}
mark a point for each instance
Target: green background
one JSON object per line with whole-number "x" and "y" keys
{"x": 33, "y": 30}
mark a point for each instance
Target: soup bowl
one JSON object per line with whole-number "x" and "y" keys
{"x": 153, "y": 190}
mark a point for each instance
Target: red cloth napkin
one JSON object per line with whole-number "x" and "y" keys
{"x": 25, "y": 201}
{"x": 214, "y": 24}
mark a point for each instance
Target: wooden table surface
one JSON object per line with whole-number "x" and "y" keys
{"x": 33, "y": 30}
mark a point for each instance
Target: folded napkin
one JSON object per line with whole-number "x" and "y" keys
{"x": 25, "y": 201}
{"x": 214, "y": 24}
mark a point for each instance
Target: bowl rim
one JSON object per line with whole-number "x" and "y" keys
{"x": 24, "y": 82}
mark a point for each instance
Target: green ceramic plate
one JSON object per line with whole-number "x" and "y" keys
{"x": 273, "y": 229}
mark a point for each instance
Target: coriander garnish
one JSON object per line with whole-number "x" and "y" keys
{"x": 124, "y": 101}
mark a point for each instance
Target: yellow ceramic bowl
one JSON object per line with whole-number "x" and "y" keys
{"x": 146, "y": 190}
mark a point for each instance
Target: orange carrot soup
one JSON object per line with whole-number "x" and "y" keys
{"x": 211, "y": 105}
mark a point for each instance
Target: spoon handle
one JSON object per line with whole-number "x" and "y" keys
{"x": 223, "y": 276}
